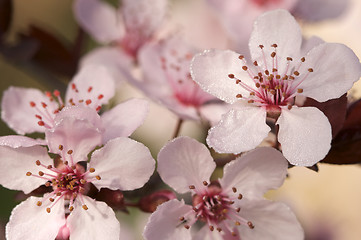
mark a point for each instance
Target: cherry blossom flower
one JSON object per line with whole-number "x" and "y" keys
{"x": 232, "y": 207}
{"x": 267, "y": 87}
{"x": 167, "y": 79}
{"x": 127, "y": 29}
{"x": 30, "y": 110}
{"x": 121, "y": 163}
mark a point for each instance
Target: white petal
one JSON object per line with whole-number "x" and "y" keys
{"x": 80, "y": 113}
{"x": 93, "y": 82}
{"x": 123, "y": 119}
{"x": 113, "y": 58}
{"x": 206, "y": 234}
{"x": 99, "y": 19}
{"x": 213, "y": 112}
{"x": 16, "y": 141}
{"x": 98, "y": 222}
{"x": 335, "y": 69}
{"x": 29, "y": 221}
{"x": 275, "y": 27}
{"x": 305, "y": 135}
{"x": 239, "y": 130}
{"x": 210, "y": 70}
{"x": 78, "y": 135}
{"x": 271, "y": 220}
{"x": 183, "y": 162}
{"x": 17, "y": 112}
{"x": 164, "y": 223}
{"x": 16, "y": 162}
{"x": 122, "y": 164}
{"x": 256, "y": 172}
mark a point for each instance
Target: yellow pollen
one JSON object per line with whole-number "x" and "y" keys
{"x": 278, "y": 77}
{"x": 71, "y": 208}
{"x": 300, "y": 90}
{"x": 61, "y": 147}
{"x": 48, "y": 210}
{"x": 91, "y": 170}
{"x": 98, "y": 177}
{"x": 82, "y": 181}
{"x": 85, "y": 207}
{"x": 39, "y": 203}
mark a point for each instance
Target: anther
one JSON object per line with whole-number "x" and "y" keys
{"x": 88, "y": 102}
{"x": 100, "y": 96}
{"x": 91, "y": 170}
{"x": 239, "y": 96}
{"x": 273, "y": 54}
{"x": 39, "y": 203}
{"x": 56, "y": 93}
{"x": 300, "y": 90}
{"x": 255, "y": 63}
{"x": 231, "y": 75}
{"x": 258, "y": 85}
{"x": 44, "y": 104}
{"x": 61, "y": 147}
{"x": 82, "y": 181}
{"x": 241, "y": 57}
{"x": 211, "y": 228}
{"x": 192, "y": 187}
{"x": 289, "y": 59}
{"x": 98, "y": 108}
{"x": 234, "y": 189}
{"x": 37, "y": 162}
{"x": 47, "y": 184}
{"x": 41, "y": 173}
{"x": 32, "y": 104}
{"x": 245, "y": 68}
{"x": 41, "y": 123}
{"x": 237, "y": 223}
{"x": 266, "y": 72}
{"x": 51, "y": 199}
{"x": 181, "y": 219}
{"x": 58, "y": 194}
{"x": 71, "y": 208}
{"x": 187, "y": 226}
{"x": 310, "y": 70}
{"x": 240, "y": 196}
{"x": 296, "y": 73}
{"x": 274, "y": 45}
{"x": 205, "y": 183}
{"x": 289, "y": 107}
{"x": 98, "y": 177}
{"x": 219, "y": 229}
{"x": 85, "y": 207}
{"x": 238, "y": 81}
{"x": 38, "y": 116}
{"x": 70, "y": 152}
{"x": 66, "y": 162}
{"x": 303, "y": 59}
{"x": 90, "y": 89}
{"x": 261, "y": 46}
{"x": 274, "y": 70}
{"x": 238, "y": 210}
{"x": 251, "y": 101}
{"x": 250, "y": 225}
{"x": 48, "y": 210}
{"x": 234, "y": 234}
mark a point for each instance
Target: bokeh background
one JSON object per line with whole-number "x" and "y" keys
{"x": 328, "y": 202}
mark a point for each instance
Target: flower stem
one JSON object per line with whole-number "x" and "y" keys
{"x": 178, "y": 127}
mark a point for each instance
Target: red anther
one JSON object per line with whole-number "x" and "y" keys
{"x": 38, "y": 116}
{"x": 98, "y": 108}
{"x": 48, "y": 94}
{"x": 56, "y": 111}
{"x": 41, "y": 123}
{"x": 90, "y": 89}
{"x": 32, "y": 104}
{"x": 56, "y": 93}
{"x": 88, "y": 102}
{"x": 44, "y": 104}
{"x": 73, "y": 86}
{"x": 100, "y": 96}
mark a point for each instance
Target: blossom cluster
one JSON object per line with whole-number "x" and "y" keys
{"x": 83, "y": 158}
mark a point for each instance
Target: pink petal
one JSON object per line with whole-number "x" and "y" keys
{"x": 239, "y": 130}
{"x": 123, "y": 119}
{"x": 99, "y": 19}
{"x": 80, "y": 113}
{"x": 122, "y": 164}
{"x": 271, "y": 220}
{"x": 275, "y": 27}
{"x": 98, "y": 222}
{"x": 16, "y": 141}
{"x": 210, "y": 70}
{"x": 19, "y": 115}
{"x": 205, "y": 234}
{"x": 183, "y": 162}
{"x": 163, "y": 224}
{"x": 144, "y": 16}
{"x": 213, "y": 112}
{"x": 29, "y": 221}
{"x": 305, "y": 135}
{"x": 78, "y": 135}
{"x": 335, "y": 69}
{"x": 256, "y": 172}
{"x": 113, "y": 58}
{"x": 94, "y": 85}
{"x": 16, "y": 162}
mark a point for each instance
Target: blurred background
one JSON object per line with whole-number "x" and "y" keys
{"x": 327, "y": 202}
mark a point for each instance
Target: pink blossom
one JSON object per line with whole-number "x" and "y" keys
{"x": 66, "y": 209}
{"x": 30, "y": 110}
{"x": 232, "y": 207}
{"x": 267, "y": 87}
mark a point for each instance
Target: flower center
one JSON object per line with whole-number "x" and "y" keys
{"x": 262, "y": 3}
{"x": 68, "y": 180}
{"x": 216, "y": 208}
{"x": 272, "y": 87}
{"x": 47, "y": 111}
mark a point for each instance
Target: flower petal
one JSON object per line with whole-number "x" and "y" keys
{"x": 29, "y": 221}
{"x": 78, "y": 135}
{"x": 16, "y": 141}
{"x": 256, "y": 172}
{"x": 213, "y": 112}
{"x": 335, "y": 69}
{"x": 97, "y": 222}
{"x": 183, "y": 162}
{"x": 239, "y": 130}
{"x": 19, "y": 115}
{"x": 16, "y": 162}
{"x": 122, "y": 120}
{"x": 210, "y": 70}
{"x": 94, "y": 83}
{"x": 205, "y": 234}
{"x": 80, "y": 113}
{"x": 99, "y": 19}
{"x": 275, "y": 27}
{"x": 305, "y": 135}
{"x": 122, "y": 164}
{"x": 163, "y": 224}
{"x": 272, "y": 220}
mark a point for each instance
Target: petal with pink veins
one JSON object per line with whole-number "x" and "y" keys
{"x": 184, "y": 162}
{"x": 123, "y": 119}
{"x": 239, "y": 130}
{"x": 30, "y": 221}
{"x": 18, "y": 113}
{"x": 97, "y": 222}
{"x": 256, "y": 172}
{"x": 122, "y": 164}
{"x": 93, "y": 86}
{"x": 211, "y": 70}
{"x": 335, "y": 69}
{"x": 164, "y": 223}
{"x": 17, "y": 162}
{"x": 304, "y": 134}
{"x": 99, "y": 19}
